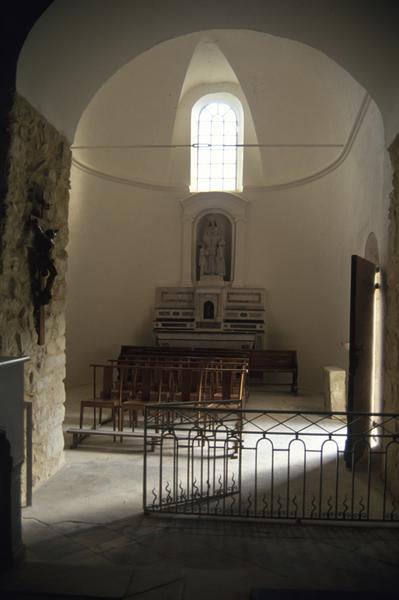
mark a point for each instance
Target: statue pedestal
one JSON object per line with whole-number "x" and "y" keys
{"x": 211, "y": 281}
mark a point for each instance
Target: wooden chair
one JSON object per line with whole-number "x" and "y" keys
{"x": 105, "y": 396}
{"x": 186, "y": 383}
{"x": 149, "y": 384}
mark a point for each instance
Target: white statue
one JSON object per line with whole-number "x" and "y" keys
{"x": 211, "y": 259}
{"x": 203, "y": 261}
{"x": 206, "y": 244}
{"x": 220, "y": 259}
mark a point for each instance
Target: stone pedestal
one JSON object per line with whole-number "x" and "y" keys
{"x": 211, "y": 281}
{"x": 334, "y": 389}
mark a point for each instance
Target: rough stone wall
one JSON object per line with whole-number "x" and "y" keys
{"x": 39, "y": 159}
{"x": 391, "y": 384}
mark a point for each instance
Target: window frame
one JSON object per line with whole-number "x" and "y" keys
{"x": 234, "y": 103}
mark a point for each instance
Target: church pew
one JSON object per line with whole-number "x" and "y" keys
{"x": 274, "y": 362}
{"x": 229, "y": 353}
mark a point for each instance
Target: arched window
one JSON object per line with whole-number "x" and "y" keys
{"x": 216, "y": 139}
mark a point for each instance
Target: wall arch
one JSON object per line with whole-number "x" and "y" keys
{"x": 100, "y": 51}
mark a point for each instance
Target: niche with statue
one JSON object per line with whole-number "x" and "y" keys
{"x": 213, "y": 257}
{"x": 212, "y": 306}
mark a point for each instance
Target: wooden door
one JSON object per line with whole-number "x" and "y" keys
{"x": 360, "y": 356}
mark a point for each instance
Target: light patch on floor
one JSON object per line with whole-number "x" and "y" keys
{"x": 90, "y": 514}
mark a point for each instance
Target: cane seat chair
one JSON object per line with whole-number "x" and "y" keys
{"x": 149, "y": 384}
{"x": 105, "y": 396}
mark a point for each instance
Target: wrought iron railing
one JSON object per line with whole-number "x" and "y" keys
{"x": 248, "y": 463}
{"x": 28, "y": 453}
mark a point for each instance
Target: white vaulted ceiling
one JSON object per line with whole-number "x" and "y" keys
{"x": 75, "y": 47}
{"x": 302, "y": 110}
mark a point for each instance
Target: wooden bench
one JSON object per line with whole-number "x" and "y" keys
{"x": 274, "y": 361}
{"x": 178, "y": 351}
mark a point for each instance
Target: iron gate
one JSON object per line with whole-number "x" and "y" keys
{"x": 227, "y": 462}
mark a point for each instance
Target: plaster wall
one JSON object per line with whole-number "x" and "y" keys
{"x": 124, "y": 241}
{"x": 307, "y": 236}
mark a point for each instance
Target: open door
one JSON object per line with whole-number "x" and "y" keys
{"x": 360, "y": 354}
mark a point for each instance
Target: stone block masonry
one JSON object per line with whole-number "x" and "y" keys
{"x": 39, "y": 159}
{"x": 391, "y": 349}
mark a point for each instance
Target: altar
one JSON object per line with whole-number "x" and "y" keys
{"x": 212, "y": 307}
{"x": 200, "y": 317}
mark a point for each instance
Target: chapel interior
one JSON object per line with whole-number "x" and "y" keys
{"x": 203, "y": 176}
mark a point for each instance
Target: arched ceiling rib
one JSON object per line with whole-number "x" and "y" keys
{"x": 208, "y": 65}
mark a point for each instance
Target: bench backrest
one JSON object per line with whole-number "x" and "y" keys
{"x": 183, "y": 352}
{"x": 273, "y": 359}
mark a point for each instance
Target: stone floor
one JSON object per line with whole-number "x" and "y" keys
{"x": 86, "y": 537}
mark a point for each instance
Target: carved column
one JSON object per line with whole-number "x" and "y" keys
{"x": 187, "y": 249}
{"x": 239, "y": 252}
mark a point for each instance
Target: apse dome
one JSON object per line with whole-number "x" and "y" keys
{"x": 301, "y": 111}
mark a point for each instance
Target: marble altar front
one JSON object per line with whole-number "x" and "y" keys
{"x": 209, "y": 316}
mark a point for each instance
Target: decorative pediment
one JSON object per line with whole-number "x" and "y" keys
{"x": 228, "y": 203}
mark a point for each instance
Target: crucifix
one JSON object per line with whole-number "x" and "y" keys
{"x": 41, "y": 263}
